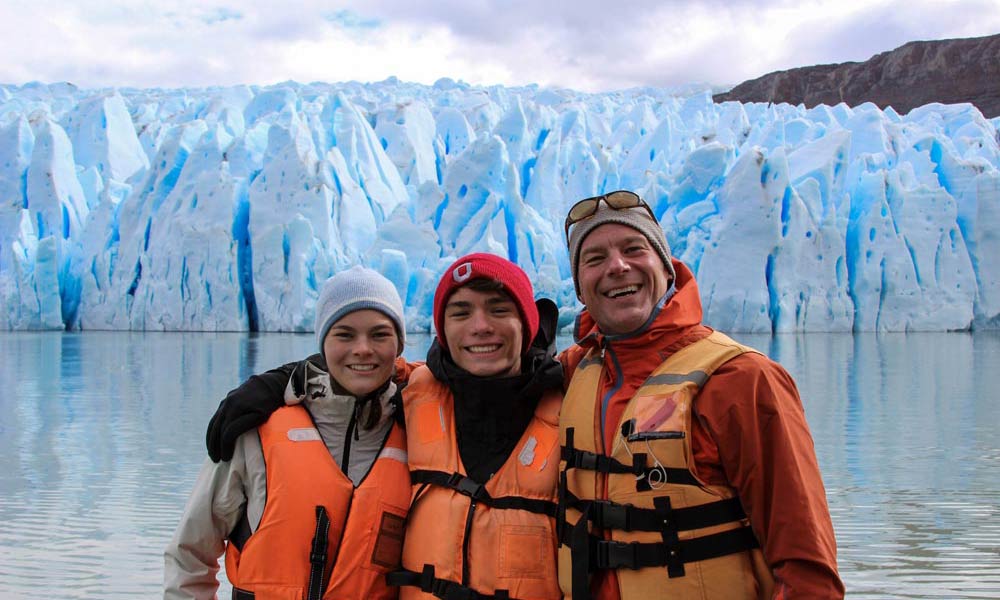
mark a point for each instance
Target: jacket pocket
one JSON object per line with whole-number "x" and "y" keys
{"x": 526, "y": 552}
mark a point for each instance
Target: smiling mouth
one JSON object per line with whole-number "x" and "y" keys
{"x": 362, "y": 368}
{"x": 621, "y": 292}
{"x": 484, "y": 349}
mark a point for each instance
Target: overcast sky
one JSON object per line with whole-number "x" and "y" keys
{"x": 582, "y": 44}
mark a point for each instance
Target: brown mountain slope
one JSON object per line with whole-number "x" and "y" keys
{"x": 917, "y": 73}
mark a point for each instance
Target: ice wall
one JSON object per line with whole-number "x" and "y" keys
{"x": 226, "y": 208}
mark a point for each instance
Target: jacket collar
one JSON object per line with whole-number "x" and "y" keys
{"x": 323, "y": 393}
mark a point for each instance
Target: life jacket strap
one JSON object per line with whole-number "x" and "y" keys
{"x": 239, "y": 594}
{"x": 605, "y": 514}
{"x": 606, "y": 554}
{"x": 477, "y": 491}
{"x": 581, "y": 564}
{"x": 318, "y": 557}
{"x": 589, "y": 461}
{"x": 563, "y": 496}
{"x": 441, "y": 588}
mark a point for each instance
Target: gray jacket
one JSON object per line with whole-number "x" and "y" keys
{"x": 225, "y": 490}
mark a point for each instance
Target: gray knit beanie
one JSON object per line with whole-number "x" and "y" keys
{"x": 357, "y": 288}
{"x": 637, "y": 218}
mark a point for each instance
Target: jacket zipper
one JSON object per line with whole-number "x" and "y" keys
{"x": 465, "y": 543}
{"x": 352, "y": 432}
{"x": 351, "y": 426}
{"x": 615, "y": 372}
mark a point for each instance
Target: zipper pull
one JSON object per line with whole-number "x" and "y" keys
{"x": 357, "y": 436}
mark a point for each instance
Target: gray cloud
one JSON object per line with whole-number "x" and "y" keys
{"x": 587, "y": 44}
{"x": 860, "y": 36}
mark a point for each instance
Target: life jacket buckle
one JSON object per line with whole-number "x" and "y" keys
{"x": 439, "y": 588}
{"x": 610, "y": 515}
{"x": 617, "y": 555}
{"x": 451, "y": 590}
{"x": 465, "y": 486}
{"x": 587, "y": 461}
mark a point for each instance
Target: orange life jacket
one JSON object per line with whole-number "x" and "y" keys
{"x": 466, "y": 540}
{"x": 319, "y": 536}
{"x": 640, "y": 509}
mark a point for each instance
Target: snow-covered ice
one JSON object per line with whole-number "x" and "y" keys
{"x": 226, "y": 208}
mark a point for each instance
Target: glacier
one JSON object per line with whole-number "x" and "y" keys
{"x": 226, "y": 208}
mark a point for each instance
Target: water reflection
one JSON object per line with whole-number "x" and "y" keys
{"x": 101, "y": 435}
{"x": 101, "y": 440}
{"x": 905, "y": 431}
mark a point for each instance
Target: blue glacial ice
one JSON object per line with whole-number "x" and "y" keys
{"x": 226, "y": 208}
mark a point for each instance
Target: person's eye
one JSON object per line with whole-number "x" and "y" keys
{"x": 343, "y": 336}
{"x": 382, "y": 335}
{"x": 501, "y": 309}
{"x": 457, "y": 314}
{"x": 592, "y": 259}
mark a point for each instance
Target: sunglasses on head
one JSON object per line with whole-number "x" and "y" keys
{"x": 620, "y": 200}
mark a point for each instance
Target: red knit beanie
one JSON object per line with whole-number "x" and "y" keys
{"x": 488, "y": 266}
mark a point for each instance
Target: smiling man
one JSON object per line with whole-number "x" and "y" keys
{"x": 484, "y": 449}
{"x": 482, "y": 324}
{"x": 688, "y": 469}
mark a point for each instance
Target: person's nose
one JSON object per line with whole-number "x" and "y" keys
{"x": 617, "y": 264}
{"x": 480, "y": 322}
{"x": 362, "y": 345}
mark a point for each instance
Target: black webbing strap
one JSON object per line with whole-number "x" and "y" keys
{"x": 317, "y": 558}
{"x": 468, "y": 487}
{"x": 625, "y": 517}
{"x": 563, "y": 497}
{"x": 582, "y": 459}
{"x": 668, "y": 533}
{"x": 580, "y": 560}
{"x": 239, "y": 594}
{"x": 606, "y": 554}
{"x": 440, "y": 588}
{"x": 589, "y": 553}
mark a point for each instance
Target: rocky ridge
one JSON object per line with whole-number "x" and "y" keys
{"x": 915, "y": 74}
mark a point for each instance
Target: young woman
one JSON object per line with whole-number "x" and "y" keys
{"x": 313, "y": 501}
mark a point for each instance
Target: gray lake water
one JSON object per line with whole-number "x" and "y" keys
{"x": 101, "y": 436}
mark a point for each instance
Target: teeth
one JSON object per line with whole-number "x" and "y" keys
{"x": 361, "y": 367}
{"x": 483, "y": 349}
{"x": 615, "y": 293}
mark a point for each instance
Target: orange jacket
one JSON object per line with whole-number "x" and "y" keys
{"x": 749, "y": 432}
{"x": 488, "y": 538}
{"x": 671, "y": 534}
{"x": 313, "y": 511}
